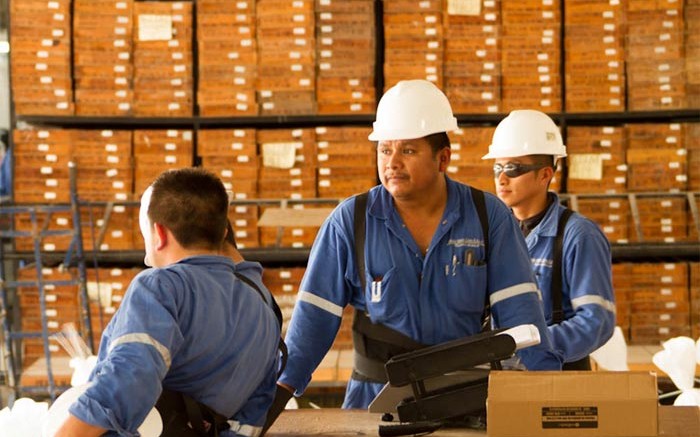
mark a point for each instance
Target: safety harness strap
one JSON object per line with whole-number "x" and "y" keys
{"x": 182, "y": 416}
{"x": 557, "y": 290}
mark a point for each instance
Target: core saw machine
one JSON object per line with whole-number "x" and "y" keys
{"x": 446, "y": 383}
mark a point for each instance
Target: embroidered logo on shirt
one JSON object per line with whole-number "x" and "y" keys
{"x": 466, "y": 242}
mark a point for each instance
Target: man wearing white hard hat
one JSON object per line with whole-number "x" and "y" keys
{"x": 196, "y": 335}
{"x": 426, "y": 274}
{"x": 570, "y": 255}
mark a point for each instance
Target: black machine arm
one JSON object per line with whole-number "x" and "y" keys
{"x": 460, "y": 354}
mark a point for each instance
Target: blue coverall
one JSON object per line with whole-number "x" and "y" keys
{"x": 191, "y": 327}
{"x": 588, "y": 300}
{"x": 432, "y": 299}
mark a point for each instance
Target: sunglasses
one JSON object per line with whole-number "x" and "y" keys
{"x": 513, "y": 170}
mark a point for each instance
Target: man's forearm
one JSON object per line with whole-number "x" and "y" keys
{"x": 74, "y": 427}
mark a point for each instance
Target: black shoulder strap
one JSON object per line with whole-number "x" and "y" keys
{"x": 557, "y": 312}
{"x": 480, "y": 203}
{"x": 360, "y": 233}
{"x": 278, "y": 315}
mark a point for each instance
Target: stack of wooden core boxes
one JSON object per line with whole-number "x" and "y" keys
{"x": 657, "y": 161}
{"x": 41, "y": 158}
{"x": 227, "y": 50}
{"x": 530, "y": 62}
{"x": 659, "y": 302}
{"x": 163, "y": 81}
{"x": 472, "y": 59}
{"x": 594, "y": 53}
{"x": 692, "y": 52}
{"x": 657, "y": 157}
{"x": 345, "y": 41}
{"x": 102, "y": 67}
{"x": 695, "y": 300}
{"x": 468, "y": 145}
{"x": 232, "y": 154}
{"x": 61, "y": 305}
{"x": 41, "y": 57}
{"x": 655, "y": 60}
{"x": 656, "y": 302}
{"x": 347, "y": 161}
{"x": 105, "y": 173}
{"x": 286, "y": 57}
{"x": 414, "y": 41}
{"x": 287, "y": 171}
{"x": 692, "y": 144}
{"x": 622, "y": 286}
{"x": 596, "y": 163}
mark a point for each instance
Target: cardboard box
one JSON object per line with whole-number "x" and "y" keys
{"x": 568, "y": 404}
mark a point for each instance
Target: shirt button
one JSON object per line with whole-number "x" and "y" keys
{"x": 444, "y": 222}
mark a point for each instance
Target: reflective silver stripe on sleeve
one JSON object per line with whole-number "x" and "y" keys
{"x": 515, "y": 290}
{"x": 326, "y": 305}
{"x": 592, "y": 299}
{"x": 542, "y": 262}
{"x": 143, "y": 338}
{"x": 246, "y": 430}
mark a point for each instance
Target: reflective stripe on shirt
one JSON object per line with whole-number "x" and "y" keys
{"x": 326, "y": 305}
{"x": 515, "y": 290}
{"x": 140, "y": 337}
{"x": 593, "y": 300}
{"x": 542, "y": 262}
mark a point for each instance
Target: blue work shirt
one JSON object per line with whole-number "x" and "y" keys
{"x": 191, "y": 327}
{"x": 588, "y": 300}
{"x": 433, "y": 298}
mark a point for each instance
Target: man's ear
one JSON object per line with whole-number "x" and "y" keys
{"x": 160, "y": 236}
{"x": 444, "y": 158}
{"x": 548, "y": 174}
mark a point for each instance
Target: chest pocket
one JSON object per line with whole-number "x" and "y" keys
{"x": 382, "y": 294}
{"x": 466, "y": 289}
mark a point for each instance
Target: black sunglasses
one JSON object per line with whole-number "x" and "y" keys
{"x": 513, "y": 170}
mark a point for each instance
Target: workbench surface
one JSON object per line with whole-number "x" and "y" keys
{"x": 332, "y": 422}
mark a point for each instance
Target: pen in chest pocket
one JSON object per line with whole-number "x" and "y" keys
{"x": 469, "y": 257}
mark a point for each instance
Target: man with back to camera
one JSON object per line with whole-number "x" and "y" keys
{"x": 191, "y": 325}
{"x": 578, "y": 296}
{"x": 426, "y": 274}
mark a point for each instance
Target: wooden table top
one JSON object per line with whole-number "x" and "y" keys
{"x": 333, "y": 422}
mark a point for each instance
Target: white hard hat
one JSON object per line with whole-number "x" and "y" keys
{"x": 152, "y": 425}
{"x": 526, "y": 132}
{"x": 412, "y": 109}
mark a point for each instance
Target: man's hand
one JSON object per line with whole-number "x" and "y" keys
{"x": 283, "y": 394}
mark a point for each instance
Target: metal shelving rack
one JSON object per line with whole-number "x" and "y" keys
{"x": 74, "y": 256}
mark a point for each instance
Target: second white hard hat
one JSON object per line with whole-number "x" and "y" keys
{"x": 526, "y": 132}
{"x": 412, "y": 109}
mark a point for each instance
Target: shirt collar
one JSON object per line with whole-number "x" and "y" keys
{"x": 548, "y": 220}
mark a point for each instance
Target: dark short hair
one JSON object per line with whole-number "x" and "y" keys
{"x": 543, "y": 160}
{"x": 438, "y": 141}
{"x": 193, "y": 204}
